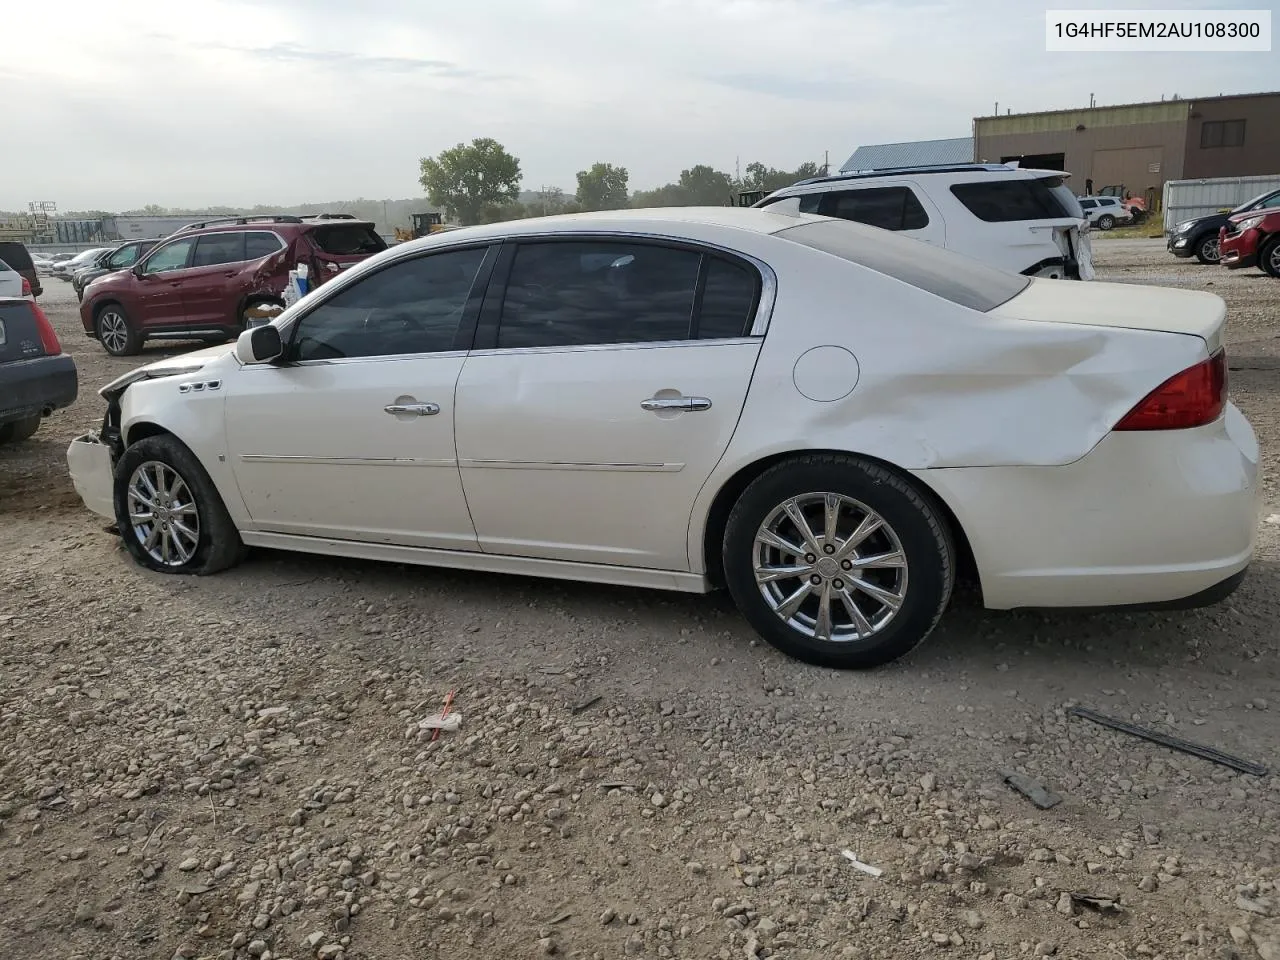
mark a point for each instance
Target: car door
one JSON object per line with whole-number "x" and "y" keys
{"x": 217, "y": 261}
{"x": 897, "y": 206}
{"x": 157, "y": 295}
{"x": 1090, "y": 209}
{"x": 351, "y": 435}
{"x": 606, "y": 383}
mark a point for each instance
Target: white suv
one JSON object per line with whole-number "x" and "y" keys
{"x": 1027, "y": 221}
{"x": 1105, "y": 212}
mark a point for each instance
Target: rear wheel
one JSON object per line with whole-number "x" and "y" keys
{"x": 169, "y": 512}
{"x": 1207, "y": 250}
{"x": 1106, "y": 222}
{"x": 116, "y": 333}
{"x": 1269, "y": 256}
{"x": 837, "y": 561}
{"x": 19, "y": 430}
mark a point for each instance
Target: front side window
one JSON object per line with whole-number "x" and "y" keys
{"x": 889, "y": 208}
{"x": 214, "y": 249}
{"x": 126, "y": 256}
{"x": 411, "y": 307}
{"x": 571, "y": 293}
{"x": 1003, "y": 201}
{"x": 172, "y": 256}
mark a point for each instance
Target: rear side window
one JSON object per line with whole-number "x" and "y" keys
{"x": 215, "y": 248}
{"x": 1088, "y": 204}
{"x": 1003, "y": 201}
{"x": 729, "y": 297}
{"x": 889, "y": 208}
{"x": 259, "y": 243}
{"x": 348, "y": 240}
{"x": 935, "y": 270}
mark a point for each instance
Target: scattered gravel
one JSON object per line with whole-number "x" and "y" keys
{"x": 231, "y": 767}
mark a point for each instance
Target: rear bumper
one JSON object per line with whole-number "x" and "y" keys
{"x": 90, "y": 466}
{"x": 1239, "y": 251}
{"x": 36, "y": 387}
{"x": 1144, "y": 519}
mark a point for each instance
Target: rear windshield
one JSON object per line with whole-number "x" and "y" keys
{"x": 1002, "y": 201}
{"x": 16, "y": 256}
{"x": 941, "y": 272}
{"x": 345, "y": 240}
{"x": 5, "y": 268}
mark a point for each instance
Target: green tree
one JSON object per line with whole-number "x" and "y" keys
{"x": 468, "y": 178}
{"x": 706, "y": 186}
{"x": 603, "y": 187}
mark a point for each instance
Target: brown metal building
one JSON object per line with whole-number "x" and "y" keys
{"x": 1141, "y": 145}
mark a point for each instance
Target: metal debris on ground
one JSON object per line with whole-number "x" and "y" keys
{"x": 859, "y": 865}
{"x": 585, "y": 705}
{"x": 1032, "y": 789}
{"x": 1098, "y": 904}
{"x": 1173, "y": 743}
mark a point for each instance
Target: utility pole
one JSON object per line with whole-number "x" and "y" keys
{"x": 826, "y": 163}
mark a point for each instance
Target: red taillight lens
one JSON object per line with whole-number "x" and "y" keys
{"x": 1192, "y": 398}
{"x": 26, "y": 287}
{"x": 48, "y": 339}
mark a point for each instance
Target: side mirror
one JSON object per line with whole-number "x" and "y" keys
{"x": 259, "y": 345}
{"x": 137, "y": 272}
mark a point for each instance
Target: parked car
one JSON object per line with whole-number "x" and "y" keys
{"x": 121, "y": 258}
{"x": 827, "y": 418}
{"x": 36, "y": 377}
{"x": 1199, "y": 237}
{"x": 1105, "y": 212}
{"x": 1252, "y": 239}
{"x": 1027, "y": 221}
{"x": 16, "y": 255}
{"x": 199, "y": 282}
{"x": 13, "y": 285}
{"x": 66, "y": 269}
{"x": 42, "y": 263}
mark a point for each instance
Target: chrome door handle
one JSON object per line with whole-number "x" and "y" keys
{"x": 420, "y": 409}
{"x": 692, "y": 404}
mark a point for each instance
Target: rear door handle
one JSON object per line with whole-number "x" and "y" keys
{"x": 691, "y": 404}
{"x": 413, "y": 409}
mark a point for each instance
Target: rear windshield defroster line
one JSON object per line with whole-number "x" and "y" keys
{"x": 943, "y": 273}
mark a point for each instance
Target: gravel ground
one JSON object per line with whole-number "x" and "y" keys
{"x": 231, "y": 766}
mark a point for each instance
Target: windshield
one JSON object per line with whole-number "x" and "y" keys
{"x": 1250, "y": 204}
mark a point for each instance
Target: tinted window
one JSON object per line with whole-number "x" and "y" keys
{"x": 1088, "y": 204}
{"x": 890, "y": 208}
{"x": 941, "y": 272}
{"x": 5, "y": 268}
{"x": 1001, "y": 201}
{"x": 1222, "y": 133}
{"x": 16, "y": 255}
{"x": 598, "y": 292}
{"x": 810, "y": 202}
{"x": 729, "y": 297}
{"x": 1269, "y": 203}
{"x": 259, "y": 243}
{"x": 215, "y": 248}
{"x": 172, "y": 256}
{"x": 414, "y": 306}
{"x": 348, "y": 239}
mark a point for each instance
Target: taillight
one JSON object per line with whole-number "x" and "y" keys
{"x": 26, "y": 287}
{"x": 48, "y": 339}
{"x": 1192, "y": 398}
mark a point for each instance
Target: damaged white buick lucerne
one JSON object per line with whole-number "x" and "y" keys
{"x": 828, "y": 419}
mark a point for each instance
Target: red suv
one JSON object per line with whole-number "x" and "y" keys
{"x": 198, "y": 283}
{"x": 1251, "y": 239}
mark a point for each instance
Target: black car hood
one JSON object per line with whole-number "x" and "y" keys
{"x": 1200, "y": 223}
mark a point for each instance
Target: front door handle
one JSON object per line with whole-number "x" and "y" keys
{"x": 691, "y": 404}
{"x": 413, "y": 409}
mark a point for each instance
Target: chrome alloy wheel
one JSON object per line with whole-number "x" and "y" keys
{"x": 1211, "y": 250}
{"x": 1274, "y": 260}
{"x": 163, "y": 514}
{"x": 113, "y": 329}
{"x": 830, "y": 567}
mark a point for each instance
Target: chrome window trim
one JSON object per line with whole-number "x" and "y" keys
{"x": 634, "y": 345}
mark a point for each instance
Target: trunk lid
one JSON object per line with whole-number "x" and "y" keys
{"x": 19, "y": 332}
{"x": 1126, "y": 305}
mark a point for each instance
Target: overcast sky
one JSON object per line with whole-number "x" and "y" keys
{"x": 113, "y": 104}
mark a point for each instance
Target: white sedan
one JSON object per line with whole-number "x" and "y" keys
{"x": 826, "y": 418}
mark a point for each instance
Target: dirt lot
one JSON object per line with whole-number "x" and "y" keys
{"x": 229, "y": 767}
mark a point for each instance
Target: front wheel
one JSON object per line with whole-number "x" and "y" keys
{"x": 1207, "y": 250}
{"x": 169, "y": 512}
{"x": 837, "y": 561}
{"x": 117, "y": 335}
{"x": 1106, "y": 222}
{"x": 1269, "y": 256}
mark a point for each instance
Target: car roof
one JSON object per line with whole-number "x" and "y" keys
{"x": 654, "y": 220}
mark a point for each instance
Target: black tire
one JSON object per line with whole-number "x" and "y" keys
{"x": 1106, "y": 222}
{"x": 19, "y": 430}
{"x": 116, "y": 332}
{"x": 910, "y": 514}
{"x": 1269, "y": 256}
{"x": 217, "y": 544}
{"x": 1206, "y": 248}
